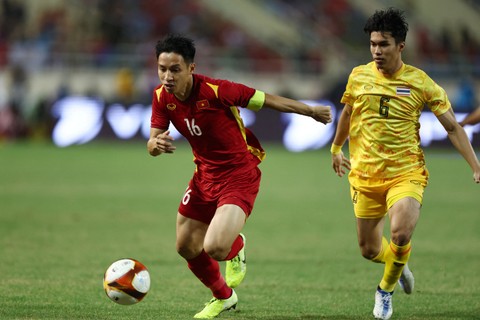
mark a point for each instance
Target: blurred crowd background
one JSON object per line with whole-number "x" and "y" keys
{"x": 303, "y": 49}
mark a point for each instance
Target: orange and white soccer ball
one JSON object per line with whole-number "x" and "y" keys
{"x": 126, "y": 281}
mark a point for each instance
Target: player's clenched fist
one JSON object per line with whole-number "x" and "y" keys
{"x": 322, "y": 114}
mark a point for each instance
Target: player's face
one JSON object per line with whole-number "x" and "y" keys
{"x": 175, "y": 74}
{"x": 385, "y": 52}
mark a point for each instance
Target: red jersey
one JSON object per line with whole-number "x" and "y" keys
{"x": 210, "y": 120}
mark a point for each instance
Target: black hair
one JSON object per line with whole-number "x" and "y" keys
{"x": 390, "y": 20}
{"x": 177, "y": 44}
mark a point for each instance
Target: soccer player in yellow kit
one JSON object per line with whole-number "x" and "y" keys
{"x": 383, "y": 101}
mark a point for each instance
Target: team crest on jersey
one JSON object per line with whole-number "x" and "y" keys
{"x": 416, "y": 182}
{"x": 203, "y": 104}
{"x": 171, "y": 106}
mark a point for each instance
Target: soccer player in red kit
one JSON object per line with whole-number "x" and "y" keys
{"x": 221, "y": 194}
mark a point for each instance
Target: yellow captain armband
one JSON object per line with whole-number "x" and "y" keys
{"x": 335, "y": 149}
{"x": 256, "y": 101}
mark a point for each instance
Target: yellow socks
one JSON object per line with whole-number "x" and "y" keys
{"x": 380, "y": 258}
{"x": 395, "y": 258}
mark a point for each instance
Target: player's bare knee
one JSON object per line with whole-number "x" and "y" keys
{"x": 400, "y": 238}
{"x": 217, "y": 252}
{"x": 187, "y": 251}
{"x": 369, "y": 252}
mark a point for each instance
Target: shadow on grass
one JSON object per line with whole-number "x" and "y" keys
{"x": 470, "y": 315}
{"x": 311, "y": 317}
{"x": 290, "y": 317}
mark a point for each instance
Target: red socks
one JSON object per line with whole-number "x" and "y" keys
{"x": 207, "y": 271}
{"x": 236, "y": 247}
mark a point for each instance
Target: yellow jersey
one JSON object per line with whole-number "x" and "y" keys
{"x": 384, "y": 139}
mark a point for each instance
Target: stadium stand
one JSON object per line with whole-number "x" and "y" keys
{"x": 50, "y": 46}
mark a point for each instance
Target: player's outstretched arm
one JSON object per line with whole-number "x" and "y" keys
{"x": 472, "y": 118}
{"x": 340, "y": 163}
{"x": 160, "y": 142}
{"x": 320, "y": 113}
{"x": 460, "y": 141}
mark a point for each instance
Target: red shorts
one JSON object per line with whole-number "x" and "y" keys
{"x": 201, "y": 199}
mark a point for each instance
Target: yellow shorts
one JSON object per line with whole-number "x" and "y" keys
{"x": 373, "y": 197}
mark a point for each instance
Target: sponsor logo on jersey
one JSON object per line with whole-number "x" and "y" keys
{"x": 171, "y": 106}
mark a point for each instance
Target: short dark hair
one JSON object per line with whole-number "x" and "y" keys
{"x": 390, "y": 20}
{"x": 177, "y": 44}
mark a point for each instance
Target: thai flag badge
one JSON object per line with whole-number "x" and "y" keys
{"x": 403, "y": 91}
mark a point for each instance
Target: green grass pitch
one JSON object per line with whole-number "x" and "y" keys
{"x": 66, "y": 214}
